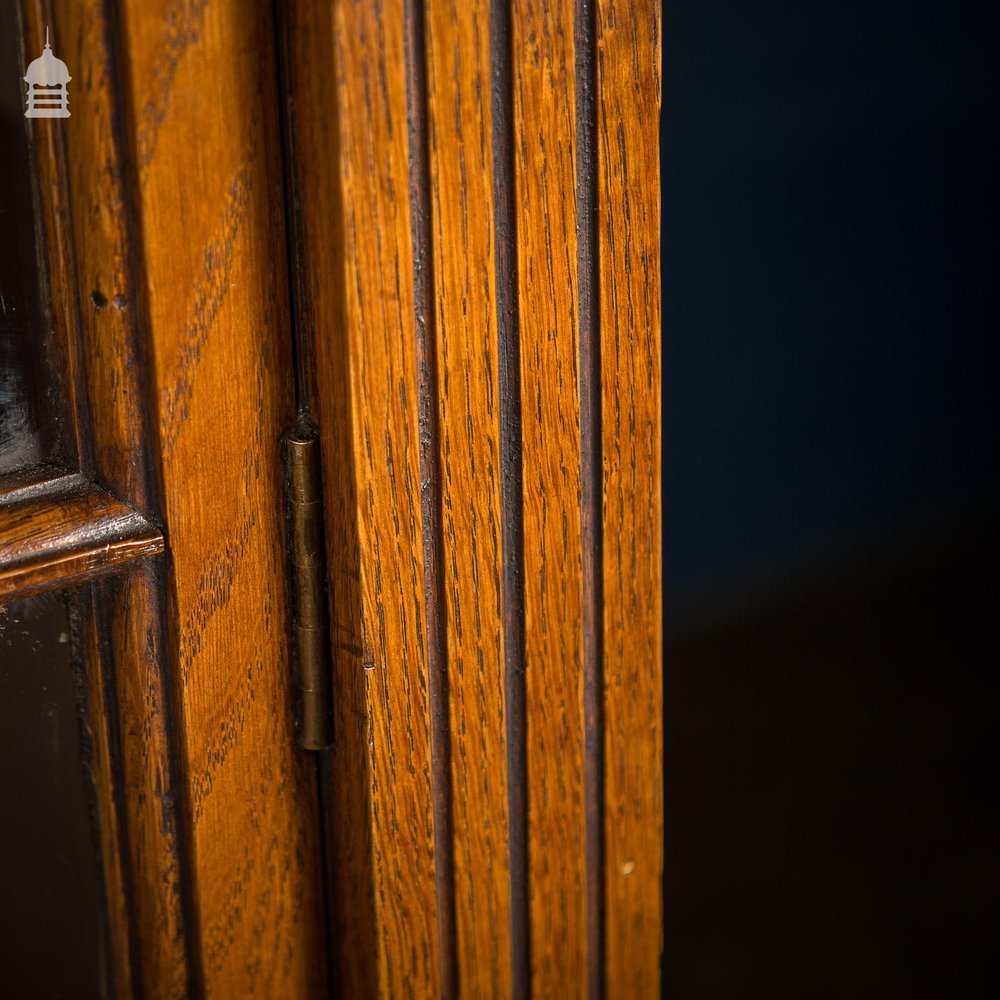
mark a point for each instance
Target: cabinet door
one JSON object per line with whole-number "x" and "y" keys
{"x": 424, "y": 236}
{"x": 474, "y": 203}
{"x": 163, "y": 236}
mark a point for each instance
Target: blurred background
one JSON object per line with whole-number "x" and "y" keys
{"x": 831, "y": 486}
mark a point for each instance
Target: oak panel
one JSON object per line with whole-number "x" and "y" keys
{"x": 459, "y": 137}
{"x": 628, "y": 212}
{"x": 353, "y": 268}
{"x": 378, "y": 277}
{"x": 408, "y": 391}
{"x": 545, "y": 124}
{"x": 384, "y": 275}
{"x": 201, "y": 111}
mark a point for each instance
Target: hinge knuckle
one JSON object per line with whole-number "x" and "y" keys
{"x": 310, "y": 632}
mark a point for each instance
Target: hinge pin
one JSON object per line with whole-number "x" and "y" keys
{"x": 310, "y": 632}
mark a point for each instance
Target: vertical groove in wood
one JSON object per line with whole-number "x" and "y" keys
{"x": 459, "y": 128}
{"x": 436, "y": 609}
{"x": 628, "y": 218}
{"x": 287, "y": 24}
{"x": 378, "y": 273}
{"x": 590, "y": 496}
{"x": 511, "y": 485}
{"x": 545, "y": 120}
{"x": 201, "y": 106}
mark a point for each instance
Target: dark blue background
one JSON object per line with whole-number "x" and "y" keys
{"x": 829, "y": 359}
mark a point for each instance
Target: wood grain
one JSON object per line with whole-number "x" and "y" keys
{"x": 200, "y": 105}
{"x": 96, "y": 291}
{"x": 429, "y": 425}
{"x": 107, "y": 286}
{"x": 459, "y": 136}
{"x": 546, "y": 237}
{"x": 355, "y": 302}
{"x": 428, "y": 387}
{"x": 628, "y": 104}
{"x": 326, "y": 398}
{"x": 65, "y": 531}
{"x": 378, "y": 277}
{"x": 136, "y": 658}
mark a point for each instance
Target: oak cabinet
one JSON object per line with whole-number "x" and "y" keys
{"x": 424, "y": 237}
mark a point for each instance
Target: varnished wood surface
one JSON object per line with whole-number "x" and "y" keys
{"x": 378, "y": 276}
{"x": 443, "y": 530}
{"x": 96, "y": 292}
{"x": 164, "y": 225}
{"x": 127, "y": 727}
{"x": 200, "y": 106}
{"x": 136, "y": 658}
{"x": 61, "y": 532}
{"x": 545, "y": 121}
{"x": 458, "y": 134}
{"x": 98, "y": 237}
{"x": 628, "y": 217}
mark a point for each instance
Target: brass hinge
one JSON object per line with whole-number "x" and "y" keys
{"x": 310, "y": 632}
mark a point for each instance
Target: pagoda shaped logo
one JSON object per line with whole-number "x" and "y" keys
{"x": 47, "y": 78}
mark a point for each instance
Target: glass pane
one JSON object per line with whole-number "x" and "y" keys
{"x": 51, "y": 910}
{"x": 30, "y": 404}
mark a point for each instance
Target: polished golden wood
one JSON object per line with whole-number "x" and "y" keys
{"x": 413, "y": 131}
{"x": 60, "y": 532}
{"x": 492, "y": 534}
{"x": 377, "y": 278}
{"x": 162, "y": 220}
{"x": 545, "y": 122}
{"x": 457, "y": 55}
{"x": 628, "y": 102}
{"x": 92, "y": 237}
{"x": 201, "y": 109}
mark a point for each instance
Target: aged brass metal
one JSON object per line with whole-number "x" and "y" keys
{"x": 310, "y": 631}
